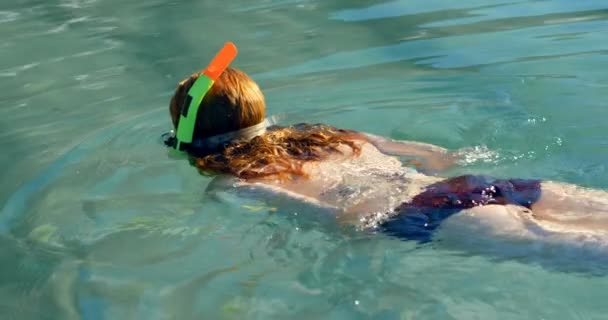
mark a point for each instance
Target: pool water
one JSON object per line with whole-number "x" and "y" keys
{"x": 99, "y": 222}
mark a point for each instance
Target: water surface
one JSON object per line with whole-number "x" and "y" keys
{"x": 98, "y": 222}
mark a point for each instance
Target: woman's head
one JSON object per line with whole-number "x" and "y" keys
{"x": 234, "y": 102}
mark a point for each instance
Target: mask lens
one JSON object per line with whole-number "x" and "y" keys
{"x": 169, "y": 138}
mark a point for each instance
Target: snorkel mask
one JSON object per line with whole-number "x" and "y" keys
{"x": 182, "y": 139}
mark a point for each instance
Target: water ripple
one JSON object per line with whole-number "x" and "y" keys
{"x": 466, "y": 50}
{"x": 525, "y": 9}
{"x": 8, "y": 16}
{"x": 403, "y": 8}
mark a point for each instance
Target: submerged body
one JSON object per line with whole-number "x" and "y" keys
{"x": 362, "y": 180}
{"x": 375, "y": 191}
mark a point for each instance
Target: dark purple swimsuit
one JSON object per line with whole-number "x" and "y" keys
{"x": 416, "y": 220}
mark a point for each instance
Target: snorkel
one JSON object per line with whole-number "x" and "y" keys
{"x": 189, "y": 110}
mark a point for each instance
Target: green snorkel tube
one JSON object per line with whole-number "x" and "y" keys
{"x": 189, "y": 111}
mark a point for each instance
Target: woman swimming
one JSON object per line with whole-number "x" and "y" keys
{"x": 359, "y": 176}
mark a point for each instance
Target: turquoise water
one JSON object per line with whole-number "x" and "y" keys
{"x": 98, "y": 222}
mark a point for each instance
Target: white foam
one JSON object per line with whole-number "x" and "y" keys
{"x": 8, "y": 16}
{"x": 476, "y": 154}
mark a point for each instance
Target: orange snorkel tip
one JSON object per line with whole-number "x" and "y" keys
{"x": 221, "y": 61}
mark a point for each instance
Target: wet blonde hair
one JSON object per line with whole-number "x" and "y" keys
{"x": 235, "y": 102}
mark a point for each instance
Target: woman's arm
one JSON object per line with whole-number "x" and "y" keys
{"x": 431, "y": 157}
{"x": 222, "y": 188}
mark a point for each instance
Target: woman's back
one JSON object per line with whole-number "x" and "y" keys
{"x": 356, "y": 185}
